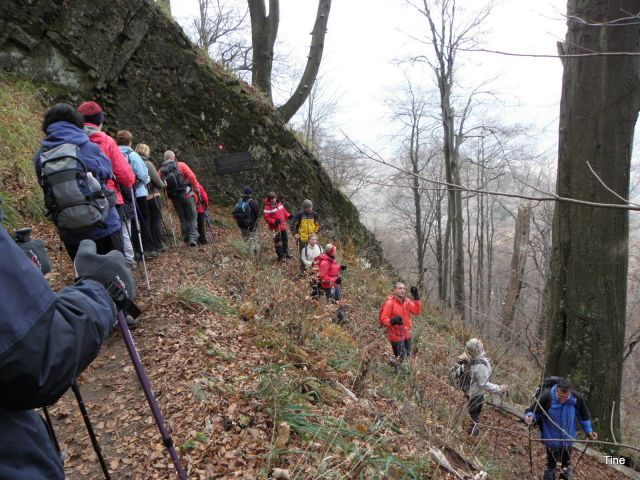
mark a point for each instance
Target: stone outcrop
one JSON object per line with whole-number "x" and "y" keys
{"x": 149, "y": 78}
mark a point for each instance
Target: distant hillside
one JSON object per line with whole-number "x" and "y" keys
{"x": 150, "y": 80}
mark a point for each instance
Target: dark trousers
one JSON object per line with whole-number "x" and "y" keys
{"x": 399, "y": 351}
{"x": 142, "y": 210}
{"x": 202, "y": 232}
{"x": 558, "y": 455}
{"x": 475, "y": 407}
{"x": 281, "y": 242}
{"x": 155, "y": 222}
{"x": 103, "y": 245}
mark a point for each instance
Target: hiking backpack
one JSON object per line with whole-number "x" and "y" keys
{"x": 460, "y": 373}
{"x": 75, "y": 200}
{"x": 174, "y": 180}
{"x": 243, "y": 213}
{"x": 546, "y": 386}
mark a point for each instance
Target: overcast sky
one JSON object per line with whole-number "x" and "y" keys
{"x": 365, "y": 37}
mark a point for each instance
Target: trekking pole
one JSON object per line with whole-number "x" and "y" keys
{"x": 52, "y": 434}
{"x": 586, "y": 445}
{"x": 206, "y": 217}
{"x": 530, "y": 451}
{"x": 173, "y": 231}
{"x": 135, "y": 215}
{"x": 94, "y": 440}
{"x": 126, "y": 224}
{"x": 153, "y": 404}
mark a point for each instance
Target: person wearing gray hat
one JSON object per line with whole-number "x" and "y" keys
{"x": 303, "y": 225}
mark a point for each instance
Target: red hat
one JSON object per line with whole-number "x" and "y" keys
{"x": 330, "y": 250}
{"x": 91, "y": 112}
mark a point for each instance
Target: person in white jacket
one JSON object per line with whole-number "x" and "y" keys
{"x": 310, "y": 251}
{"x": 479, "y": 374}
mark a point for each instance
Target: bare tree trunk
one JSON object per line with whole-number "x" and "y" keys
{"x": 446, "y": 276}
{"x": 491, "y": 228}
{"x": 264, "y": 30}
{"x": 588, "y": 285}
{"x": 305, "y": 85}
{"x": 439, "y": 252}
{"x": 518, "y": 263}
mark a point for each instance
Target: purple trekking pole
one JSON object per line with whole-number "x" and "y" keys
{"x": 146, "y": 386}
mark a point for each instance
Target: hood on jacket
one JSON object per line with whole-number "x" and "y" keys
{"x": 59, "y": 133}
{"x": 474, "y": 348}
{"x": 94, "y": 132}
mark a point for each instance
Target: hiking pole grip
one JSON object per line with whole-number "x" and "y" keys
{"x": 153, "y": 404}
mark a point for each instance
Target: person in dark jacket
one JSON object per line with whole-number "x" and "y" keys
{"x": 251, "y": 234}
{"x": 61, "y": 125}
{"x": 153, "y": 199}
{"x": 46, "y": 340}
{"x": 556, "y": 411}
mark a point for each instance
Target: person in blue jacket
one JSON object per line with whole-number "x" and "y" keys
{"x": 62, "y": 124}
{"x": 556, "y": 412}
{"x": 46, "y": 340}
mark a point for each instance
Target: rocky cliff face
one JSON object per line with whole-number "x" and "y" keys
{"x": 143, "y": 70}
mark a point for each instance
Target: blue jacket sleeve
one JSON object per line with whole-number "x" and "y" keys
{"x": 140, "y": 168}
{"x": 46, "y": 339}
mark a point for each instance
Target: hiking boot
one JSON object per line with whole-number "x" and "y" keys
{"x": 288, "y": 255}
{"x": 132, "y": 323}
{"x": 566, "y": 474}
{"x": 151, "y": 254}
{"x": 549, "y": 474}
{"x": 193, "y": 244}
{"x": 163, "y": 248}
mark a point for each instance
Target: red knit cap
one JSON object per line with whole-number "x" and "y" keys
{"x": 89, "y": 108}
{"x": 330, "y": 250}
{"x": 91, "y": 112}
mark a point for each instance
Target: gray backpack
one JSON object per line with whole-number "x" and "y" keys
{"x": 75, "y": 200}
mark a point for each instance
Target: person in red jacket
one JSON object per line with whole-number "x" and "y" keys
{"x": 276, "y": 217}
{"x": 395, "y": 315}
{"x": 123, "y": 176}
{"x": 329, "y": 272}
{"x": 201, "y": 206}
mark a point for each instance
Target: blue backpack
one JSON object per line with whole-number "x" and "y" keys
{"x": 243, "y": 213}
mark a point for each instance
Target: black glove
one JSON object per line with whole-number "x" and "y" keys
{"x": 415, "y": 293}
{"x": 343, "y": 267}
{"x": 34, "y": 249}
{"x": 338, "y": 281}
{"x": 278, "y": 222}
{"x": 111, "y": 271}
{"x": 397, "y": 320}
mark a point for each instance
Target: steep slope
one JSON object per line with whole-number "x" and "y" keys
{"x": 140, "y": 66}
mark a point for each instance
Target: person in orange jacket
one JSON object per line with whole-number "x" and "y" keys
{"x": 276, "y": 217}
{"x": 395, "y": 315}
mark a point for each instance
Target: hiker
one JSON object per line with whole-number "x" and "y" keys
{"x": 203, "y": 204}
{"x": 85, "y": 207}
{"x": 153, "y": 199}
{"x": 395, "y": 315}
{"x": 181, "y": 187}
{"x": 123, "y": 176}
{"x": 555, "y": 411}
{"x": 247, "y": 213}
{"x": 310, "y": 252}
{"x": 47, "y": 340}
{"x": 479, "y": 374}
{"x": 329, "y": 273}
{"x": 304, "y": 224}
{"x": 276, "y": 217}
{"x": 143, "y": 234}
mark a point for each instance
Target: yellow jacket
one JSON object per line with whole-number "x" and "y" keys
{"x": 305, "y": 224}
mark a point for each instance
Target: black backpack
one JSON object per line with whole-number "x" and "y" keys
{"x": 174, "y": 180}
{"x": 545, "y": 387}
{"x": 243, "y": 213}
{"x": 459, "y": 373}
{"x": 75, "y": 200}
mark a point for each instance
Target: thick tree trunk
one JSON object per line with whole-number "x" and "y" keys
{"x": 588, "y": 285}
{"x": 305, "y": 85}
{"x": 264, "y": 30}
{"x": 518, "y": 263}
